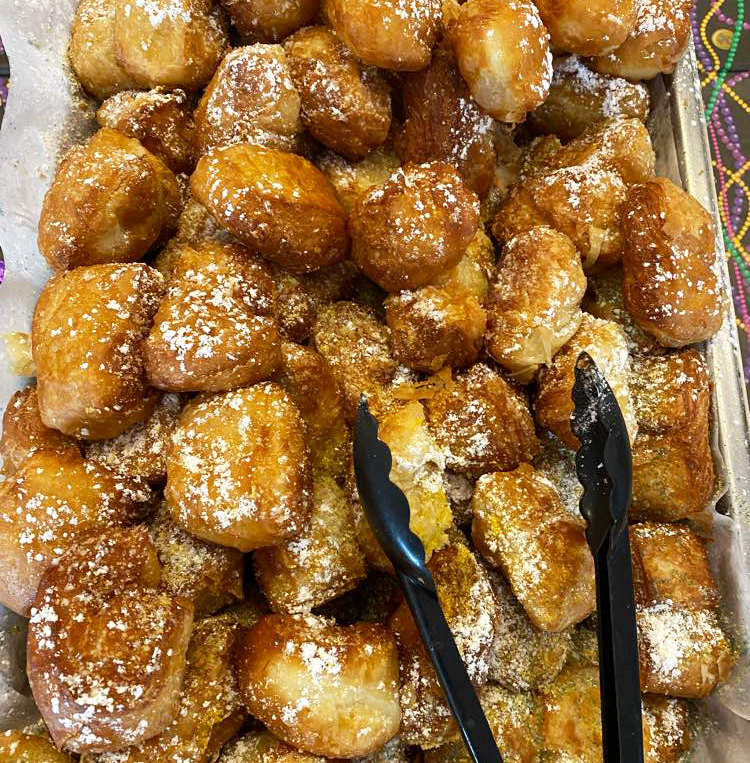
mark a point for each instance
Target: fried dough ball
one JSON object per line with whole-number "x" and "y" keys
{"x": 352, "y": 179}
{"x": 502, "y": 50}
{"x": 106, "y": 651}
{"x": 442, "y": 122}
{"x": 673, "y": 465}
{"x": 141, "y": 451}
{"x": 251, "y": 99}
{"x": 238, "y": 471}
{"x": 345, "y": 106}
{"x": 24, "y": 431}
{"x": 110, "y": 201}
{"x": 655, "y": 44}
{"x": 324, "y": 688}
{"x": 670, "y": 287}
{"x": 214, "y": 329}
{"x": 468, "y": 602}
{"x": 534, "y": 306}
{"x": 54, "y": 500}
{"x": 270, "y": 20}
{"x": 161, "y": 120}
{"x": 355, "y": 347}
{"x": 417, "y": 469}
{"x": 389, "y": 34}
{"x": 308, "y": 380}
{"x": 176, "y": 43}
{"x": 523, "y": 658}
{"x": 414, "y": 227}
{"x": 515, "y": 721}
{"x": 277, "y": 203}
{"x": 264, "y": 747}
{"x": 87, "y": 335}
{"x": 579, "y": 97}
{"x": 521, "y": 526}
{"x": 588, "y": 28}
{"x": 667, "y": 730}
{"x": 605, "y": 342}
{"x": 209, "y": 576}
{"x": 483, "y": 422}
{"x": 92, "y": 49}
{"x": 319, "y": 564}
{"x": 18, "y": 747}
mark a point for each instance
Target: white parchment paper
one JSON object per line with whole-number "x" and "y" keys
{"x": 46, "y": 114}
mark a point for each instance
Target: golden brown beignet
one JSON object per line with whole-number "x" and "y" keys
{"x": 270, "y": 20}
{"x": 250, "y": 99}
{"x": 161, "y": 120}
{"x": 209, "y": 712}
{"x": 655, "y": 44}
{"x": 502, "y": 50}
{"x": 54, "y": 500}
{"x": 579, "y": 97}
{"x": 356, "y": 348}
{"x": 670, "y": 287}
{"x": 279, "y": 204}
{"x": 442, "y": 122}
{"x": 533, "y": 308}
{"x": 24, "y": 431}
{"x": 345, "y": 106}
{"x": 175, "y": 43}
{"x": 673, "y": 464}
{"x": 214, "y": 329}
{"x": 605, "y": 342}
{"x": 414, "y": 227}
{"x": 110, "y": 201}
{"x": 208, "y": 575}
{"x": 106, "y": 651}
{"x": 586, "y": 27}
{"x": 18, "y": 747}
{"x": 483, "y": 422}
{"x": 238, "y": 471}
{"x": 390, "y": 34}
{"x": 321, "y": 563}
{"x": 141, "y": 451}
{"x": 87, "y": 337}
{"x": 92, "y": 49}
{"x": 521, "y": 526}
{"x": 324, "y": 688}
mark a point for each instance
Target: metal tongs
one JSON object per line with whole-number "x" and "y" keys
{"x": 604, "y": 468}
{"x": 387, "y": 511}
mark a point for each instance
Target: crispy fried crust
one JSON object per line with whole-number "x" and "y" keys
{"x": 533, "y": 307}
{"x": 670, "y": 287}
{"x": 324, "y": 688}
{"x": 483, "y": 422}
{"x": 414, "y": 227}
{"x": 588, "y": 28}
{"x": 442, "y": 122}
{"x": 54, "y": 500}
{"x": 110, "y": 201}
{"x": 579, "y": 97}
{"x": 24, "y": 431}
{"x": 87, "y": 334}
{"x": 502, "y": 50}
{"x": 238, "y": 470}
{"x": 346, "y": 106}
{"x": 656, "y": 43}
{"x": 18, "y": 747}
{"x": 250, "y": 99}
{"x": 390, "y": 34}
{"x": 521, "y": 526}
{"x": 270, "y": 20}
{"x": 161, "y": 120}
{"x": 673, "y": 465}
{"x": 279, "y": 204}
{"x": 106, "y": 651}
{"x": 179, "y": 45}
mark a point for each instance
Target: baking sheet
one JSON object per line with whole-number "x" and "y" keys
{"x": 47, "y": 113}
